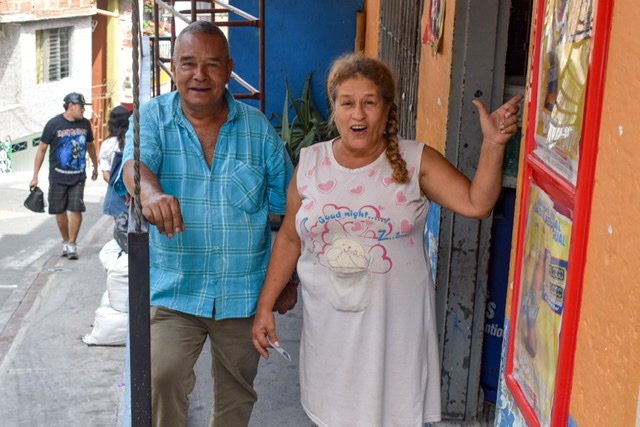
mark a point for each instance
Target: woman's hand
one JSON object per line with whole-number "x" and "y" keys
{"x": 498, "y": 127}
{"x": 264, "y": 324}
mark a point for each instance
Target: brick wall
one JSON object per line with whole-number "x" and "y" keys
{"x": 37, "y": 9}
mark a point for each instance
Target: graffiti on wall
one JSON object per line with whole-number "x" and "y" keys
{"x": 5, "y": 155}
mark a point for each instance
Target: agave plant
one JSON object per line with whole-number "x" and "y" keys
{"x": 301, "y": 123}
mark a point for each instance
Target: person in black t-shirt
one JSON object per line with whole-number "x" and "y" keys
{"x": 70, "y": 137}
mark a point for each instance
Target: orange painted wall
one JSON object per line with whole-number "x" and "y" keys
{"x": 435, "y": 74}
{"x": 434, "y": 87}
{"x": 607, "y": 362}
{"x": 372, "y": 26}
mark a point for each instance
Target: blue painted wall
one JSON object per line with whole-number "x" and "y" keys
{"x": 302, "y": 37}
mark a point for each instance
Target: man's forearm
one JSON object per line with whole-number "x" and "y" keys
{"x": 149, "y": 183}
{"x": 37, "y": 163}
{"x": 91, "y": 148}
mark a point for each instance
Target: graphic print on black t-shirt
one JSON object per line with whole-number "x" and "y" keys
{"x": 68, "y": 141}
{"x": 71, "y": 151}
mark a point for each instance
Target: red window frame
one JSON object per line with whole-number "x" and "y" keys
{"x": 575, "y": 198}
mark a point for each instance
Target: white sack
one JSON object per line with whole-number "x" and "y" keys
{"x": 110, "y": 253}
{"x": 109, "y": 327}
{"x": 118, "y": 284}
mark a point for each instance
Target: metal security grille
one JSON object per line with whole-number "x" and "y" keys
{"x": 224, "y": 15}
{"x": 101, "y": 104}
{"x": 400, "y": 42}
{"x": 53, "y": 54}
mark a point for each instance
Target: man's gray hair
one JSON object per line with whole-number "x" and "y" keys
{"x": 200, "y": 27}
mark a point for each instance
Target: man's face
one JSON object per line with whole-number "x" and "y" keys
{"x": 202, "y": 69}
{"x": 76, "y": 111}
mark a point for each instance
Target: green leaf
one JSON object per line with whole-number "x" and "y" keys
{"x": 285, "y": 132}
{"x": 301, "y": 124}
{"x": 309, "y": 139}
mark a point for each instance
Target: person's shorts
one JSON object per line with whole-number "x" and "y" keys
{"x": 66, "y": 198}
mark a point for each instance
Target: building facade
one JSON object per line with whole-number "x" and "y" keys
{"x": 46, "y": 54}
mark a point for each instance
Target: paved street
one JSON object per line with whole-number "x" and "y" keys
{"x": 30, "y": 239}
{"x": 48, "y": 376}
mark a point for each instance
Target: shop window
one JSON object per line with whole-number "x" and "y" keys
{"x": 561, "y": 144}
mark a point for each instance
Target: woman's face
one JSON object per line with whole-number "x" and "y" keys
{"x": 360, "y": 114}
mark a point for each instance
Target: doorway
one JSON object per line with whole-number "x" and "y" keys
{"x": 490, "y": 54}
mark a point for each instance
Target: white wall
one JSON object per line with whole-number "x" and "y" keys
{"x": 45, "y": 100}
{"x": 26, "y": 106}
{"x": 10, "y": 64}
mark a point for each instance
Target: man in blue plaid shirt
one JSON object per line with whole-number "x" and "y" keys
{"x": 212, "y": 169}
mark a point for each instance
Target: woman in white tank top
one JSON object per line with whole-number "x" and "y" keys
{"x": 356, "y": 212}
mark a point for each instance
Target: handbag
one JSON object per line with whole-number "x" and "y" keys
{"x": 35, "y": 200}
{"x": 116, "y": 163}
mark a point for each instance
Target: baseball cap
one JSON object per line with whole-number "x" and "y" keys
{"x": 75, "y": 98}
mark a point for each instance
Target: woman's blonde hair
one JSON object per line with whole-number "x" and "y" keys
{"x": 356, "y": 64}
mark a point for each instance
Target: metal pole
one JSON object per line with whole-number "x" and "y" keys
{"x": 138, "y": 250}
{"x": 139, "y": 336}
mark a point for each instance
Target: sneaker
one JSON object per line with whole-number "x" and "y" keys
{"x": 72, "y": 251}
{"x": 65, "y": 249}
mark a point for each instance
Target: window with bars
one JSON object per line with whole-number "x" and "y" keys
{"x": 52, "y": 54}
